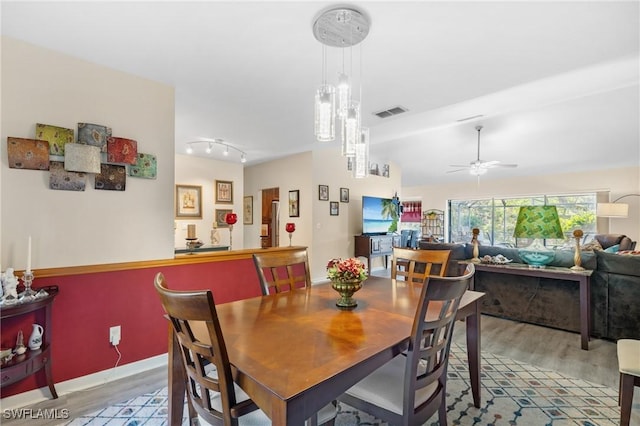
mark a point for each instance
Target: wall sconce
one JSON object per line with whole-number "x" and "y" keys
{"x": 614, "y": 209}
{"x": 213, "y": 142}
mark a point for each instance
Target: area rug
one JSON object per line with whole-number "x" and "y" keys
{"x": 513, "y": 393}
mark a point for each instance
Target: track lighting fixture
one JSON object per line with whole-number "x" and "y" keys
{"x": 212, "y": 143}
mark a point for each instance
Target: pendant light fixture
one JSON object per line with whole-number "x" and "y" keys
{"x": 341, "y": 27}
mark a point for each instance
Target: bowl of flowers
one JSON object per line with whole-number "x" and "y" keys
{"x": 346, "y": 277}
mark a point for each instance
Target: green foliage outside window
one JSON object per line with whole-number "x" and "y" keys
{"x": 496, "y": 217}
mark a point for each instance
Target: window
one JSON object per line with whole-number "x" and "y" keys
{"x": 496, "y": 217}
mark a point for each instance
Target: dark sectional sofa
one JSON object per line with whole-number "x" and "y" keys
{"x": 615, "y": 291}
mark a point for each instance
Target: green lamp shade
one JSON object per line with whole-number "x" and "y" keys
{"x": 537, "y": 222}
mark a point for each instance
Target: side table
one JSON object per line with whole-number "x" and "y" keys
{"x": 31, "y": 362}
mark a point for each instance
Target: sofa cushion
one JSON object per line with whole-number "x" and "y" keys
{"x": 618, "y": 264}
{"x": 608, "y": 240}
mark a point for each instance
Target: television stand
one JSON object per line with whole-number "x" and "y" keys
{"x": 371, "y": 246}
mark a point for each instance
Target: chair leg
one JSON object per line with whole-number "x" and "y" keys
{"x": 442, "y": 408}
{"x": 625, "y": 398}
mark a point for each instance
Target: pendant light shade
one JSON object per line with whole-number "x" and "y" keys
{"x": 351, "y": 129}
{"x": 325, "y": 112}
{"x": 344, "y": 95}
{"x": 361, "y": 160}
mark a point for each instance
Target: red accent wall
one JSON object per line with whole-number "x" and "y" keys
{"x": 87, "y": 305}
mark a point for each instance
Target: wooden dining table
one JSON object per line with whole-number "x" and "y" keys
{"x": 294, "y": 352}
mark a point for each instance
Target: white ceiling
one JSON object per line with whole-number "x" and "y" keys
{"x": 555, "y": 82}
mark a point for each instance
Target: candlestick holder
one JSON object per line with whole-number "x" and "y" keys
{"x": 474, "y": 242}
{"x": 290, "y": 228}
{"x": 577, "y": 258}
{"x": 28, "y": 294}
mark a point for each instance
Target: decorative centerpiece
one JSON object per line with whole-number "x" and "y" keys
{"x": 346, "y": 277}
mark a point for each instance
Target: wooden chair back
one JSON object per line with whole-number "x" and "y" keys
{"x": 429, "y": 345}
{"x": 417, "y": 265}
{"x": 211, "y": 395}
{"x": 282, "y": 270}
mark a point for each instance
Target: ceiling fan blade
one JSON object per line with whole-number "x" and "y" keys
{"x": 458, "y": 170}
{"x": 460, "y": 165}
{"x": 504, "y": 165}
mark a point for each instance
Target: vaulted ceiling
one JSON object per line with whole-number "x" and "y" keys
{"x": 555, "y": 84}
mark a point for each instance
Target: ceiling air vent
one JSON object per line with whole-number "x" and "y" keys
{"x": 391, "y": 111}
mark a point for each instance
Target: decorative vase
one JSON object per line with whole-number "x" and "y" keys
{"x": 346, "y": 290}
{"x": 35, "y": 341}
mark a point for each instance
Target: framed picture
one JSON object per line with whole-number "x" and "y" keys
{"x": 294, "y": 203}
{"x": 188, "y": 201}
{"x": 247, "y": 210}
{"x": 224, "y": 192}
{"x": 323, "y": 192}
{"x": 334, "y": 208}
{"x": 264, "y": 230}
{"x": 221, "y": 214}
{"x": 344, "y": 195}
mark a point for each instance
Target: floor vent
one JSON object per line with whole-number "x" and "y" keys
{"x": 391, "y": 111}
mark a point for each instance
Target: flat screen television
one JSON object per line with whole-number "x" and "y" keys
{"x": 379, "y": 215}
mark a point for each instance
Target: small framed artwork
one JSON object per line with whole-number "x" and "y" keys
{"x": 224, "y": 192}
{"x": 221, "y": 215}
{"x": 247, "y": 210}
{"x": 323, "y": 192}
{"x": 294, "y": 203}
{"x": 344, "y": 195}
{"x": 188, "y": 201}
{"x": 334, "y": 208}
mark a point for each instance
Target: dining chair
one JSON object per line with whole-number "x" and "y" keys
{"x": 211, "y": 391}
{"x": 411, "y": 388}
{"x": 629, "y": 365}
{"x": 282, "y": 270}
{"x": 212, "y": 395}
{"x": 416, "y": 265}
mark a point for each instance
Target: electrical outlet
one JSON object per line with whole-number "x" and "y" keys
{"x": 114, "y": 335}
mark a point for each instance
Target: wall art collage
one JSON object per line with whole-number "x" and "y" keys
{"x": 96, "y": 151}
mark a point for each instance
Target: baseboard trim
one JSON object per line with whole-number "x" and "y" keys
{"x": 85, "y": 382}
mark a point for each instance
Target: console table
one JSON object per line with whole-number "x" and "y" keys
{"x": 31, "y": 361}
{"x": 370, "y": 246}
{"x": 553, "y": 272}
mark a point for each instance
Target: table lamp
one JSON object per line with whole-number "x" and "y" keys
{"x": 537, "y": 222}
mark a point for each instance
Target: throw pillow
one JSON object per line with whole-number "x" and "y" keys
{"x": 612, "y": 249}
{"x": 592, "y": 246}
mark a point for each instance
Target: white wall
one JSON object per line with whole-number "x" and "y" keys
{"x": 334, "y": 235}
{"x": 617, "y": 181}
{"x": 90, "y": 227}
{"x": 326, "y": 236}
{"x": 287, "y": 174}
{"x": 199, "y": 171}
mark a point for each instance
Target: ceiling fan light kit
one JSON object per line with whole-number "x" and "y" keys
{"x": 479, "y": 167}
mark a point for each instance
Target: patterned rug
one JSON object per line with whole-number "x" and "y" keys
{"x": 513, "y": 393}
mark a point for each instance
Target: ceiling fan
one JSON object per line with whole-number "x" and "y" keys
{"x": 479, "y": 167}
